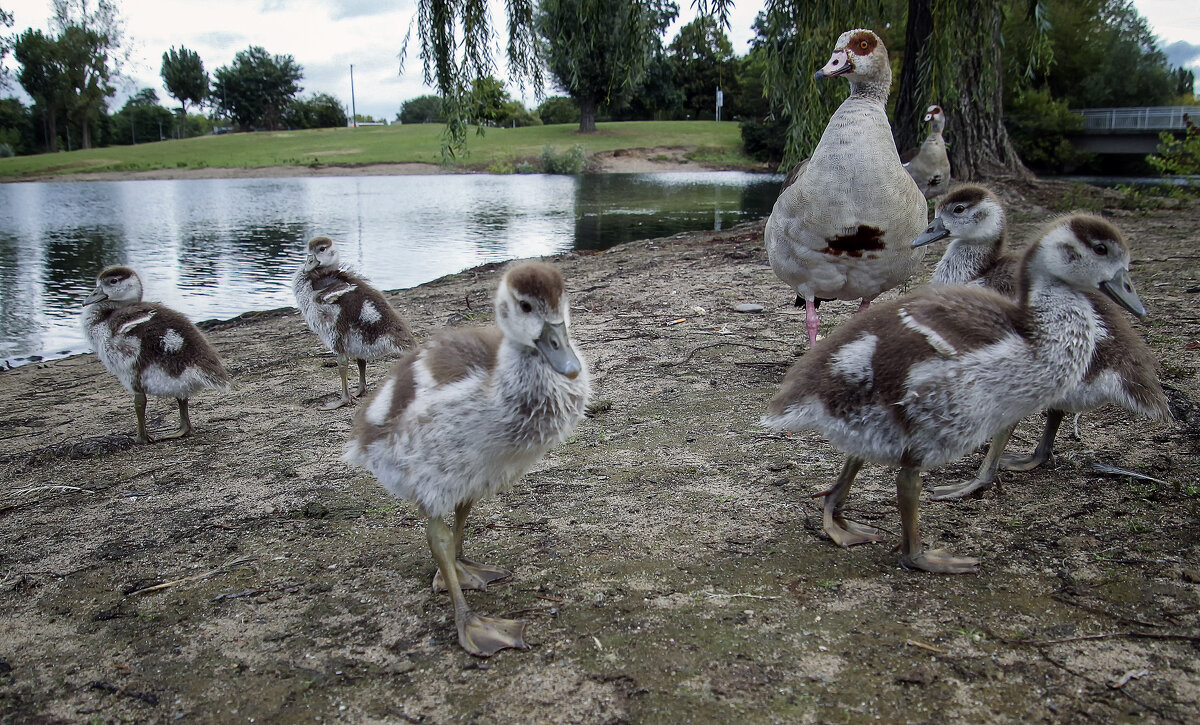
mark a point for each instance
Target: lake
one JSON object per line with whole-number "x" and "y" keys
{"x": 216, "y": 248}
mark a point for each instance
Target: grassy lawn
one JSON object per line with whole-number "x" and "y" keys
{"x": 381, "y": 144}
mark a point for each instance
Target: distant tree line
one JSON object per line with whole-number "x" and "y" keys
{"x": 68, "y": 73}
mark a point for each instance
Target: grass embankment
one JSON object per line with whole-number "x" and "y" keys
{"x": 714, "y": 142}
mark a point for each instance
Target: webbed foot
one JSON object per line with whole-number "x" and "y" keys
{"x": 485, "y": 636}
{"x": 335, "y": 404}
{"x": 965, "y": 489}
{"x": 1023, "y": 463}
{"x": 849, "y": 533}
{"x": 939, "y": 561}
{"x": 472, "y": 575}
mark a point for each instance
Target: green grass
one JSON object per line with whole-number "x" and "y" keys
{"x": 380, "y": 144}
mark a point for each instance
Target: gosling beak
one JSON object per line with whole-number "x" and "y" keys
{"x": 838, "y": 65}
{"x": 935, "y": 231}
{"x": 555, "y": 346}
{"x": 310, "y": 263}
{"x": 1120, "y": 288}
{"x": 96, "y": 296}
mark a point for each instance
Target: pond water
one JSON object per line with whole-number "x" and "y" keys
{"x": 218, "y": 248}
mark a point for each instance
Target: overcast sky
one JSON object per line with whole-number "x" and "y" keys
{"x": 326, "y": 36}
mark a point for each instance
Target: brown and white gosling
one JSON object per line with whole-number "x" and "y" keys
{"x": 1122, "y": 368}
{"x": 150, "y": 348}
{"x": 349, "y": 316}
{"x": 843, "y": 229}
{"x": 465, "y": 415}
{"x": 923, "y": 380}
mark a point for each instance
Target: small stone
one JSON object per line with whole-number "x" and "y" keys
{"x": 748, "y": 307}
{"x": 315, "y": 510}
{"x": 1190, "y": 575}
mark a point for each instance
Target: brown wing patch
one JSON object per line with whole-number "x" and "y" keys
{"x": 194, "y": 352}
{"x": 862, "y": 43}
{"x": 457, "y": 353}
{"x": 404, "y": 390}
{"x": 863, "y": 239}
{"x": 537, "y": 280}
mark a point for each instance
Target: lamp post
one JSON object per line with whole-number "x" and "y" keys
{"x": 353, "y": 111}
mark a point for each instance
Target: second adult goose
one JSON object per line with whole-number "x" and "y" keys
{"x": 922, "y": 380}
{"x": 843, "y": 229}
{"x": 930, "y": 166}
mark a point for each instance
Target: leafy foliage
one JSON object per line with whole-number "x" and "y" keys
{"x": 141, "y": 120}
{"x": 16, "y": 127}
{"x": 256, "y": 88}
{"x": 1038, "y": 126}
{"x": 184, "y": 77}
{"x": 558, "y": 109}
{"x": 321, "y": 111}
{"x": 422, "y": 109}
{"x": 597, "y": 50}
{"x": 569, "y": 162}
{"x": 42, "y": 76}
{"x": 1178, "y": 156}
{"x": 702, "y": 60}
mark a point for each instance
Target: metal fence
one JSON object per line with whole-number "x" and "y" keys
{"x": 1154, "y": 118}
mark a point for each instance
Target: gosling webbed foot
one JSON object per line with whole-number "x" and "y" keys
{"x": 1023, "y": 463}
{"x": 472, "y": 575}
{"x": 181, "y": 433}
{"x": 143, "y": 438}
{"x": 849, "y": 533}
{"x": 359, "y": 391}
{"x": 939, "y": 561}
{"x": 335, "y": 404}
{"x": 966, "y": 489}
{"x": 485, "y": 636}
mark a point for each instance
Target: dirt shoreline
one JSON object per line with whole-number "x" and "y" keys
{"x": 669, "y": 556}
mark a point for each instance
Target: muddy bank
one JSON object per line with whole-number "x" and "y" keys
{"x": 669, "y": 556}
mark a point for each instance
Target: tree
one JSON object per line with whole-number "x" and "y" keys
{"x": 703, "y": 60}
{"x": 89, "y": 40}
{"x": 487, "y": 101}
{"x": 16, "y": 127}
{"x": 140, "y": 120}
{"x": 558, "y": 109}
{"x": 43, "y": 78}
{"x": 320, "y": 111}
{"x": 6, "y": 44}
{"x": 184, "y": 77}
{"x": 422, "y": 109}
{"x": 597, "y": 50}
{"x": 256, "y": 88}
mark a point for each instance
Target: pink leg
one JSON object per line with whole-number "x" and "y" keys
{"x": 810, "y": 321}
{"x": 865, "y": 304}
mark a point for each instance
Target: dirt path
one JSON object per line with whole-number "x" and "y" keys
{"x": 669, "y": 556}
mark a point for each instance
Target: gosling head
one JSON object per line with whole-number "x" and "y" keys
{"x": 936, "y": 118}
{"x": 859, "y": 55}
{"x": 970, "y": 213}
{"x": 532, "y": 311}
{"x": 1087, "y": 253}
{"x": 116, "y": 287}
{"x": 321, "y": 253}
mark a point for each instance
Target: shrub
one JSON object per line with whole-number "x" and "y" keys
{"x": 763, "y": 140}
{"x": 558, "y": 109}
{"x": 1038, "y": 126}
{"x": 572, "y": 161}
{"x": 1177, "y": 156}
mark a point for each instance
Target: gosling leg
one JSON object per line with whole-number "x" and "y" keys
{"x": 343, "y": 362}
{"x": 139, "y": 409}
{"x": 471, "y": 574}
{"x": 478, "y": 635}
{"x": 1044, "y": 448}
{"x": 983, "y": 477}
{"x": 913, "y": 554}
{"x": 846, "y": 533}
{"x": 362, "y": 379}
{"x": 185, "y": 422}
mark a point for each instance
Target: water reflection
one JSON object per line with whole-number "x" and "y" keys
{"x": 217, "y": 248}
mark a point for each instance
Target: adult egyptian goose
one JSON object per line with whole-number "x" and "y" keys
{"x": 921, "y": 381}
{"x": 152, "y": 349}
{"x": 465, "y": 415}
{"x": 351, "y": 317}
{"x": 842, "y": 230}
{"x": 1121, "y": 370}
{"x": 930, "y": 166}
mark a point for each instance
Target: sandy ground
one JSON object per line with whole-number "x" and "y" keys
{"x": 669, "y": 556}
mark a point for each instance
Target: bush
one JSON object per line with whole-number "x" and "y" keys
{"x": 764, "y": 140}
{"x": 422, "y": 109}
{"x": 1177, "y": 156}
{"x": 1038, "y": 126}
{"x": 558, "y": 109}
{"x": 526, "y": 167}
{"x": 569, "y": 162}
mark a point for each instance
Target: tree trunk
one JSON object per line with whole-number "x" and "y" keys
{"x": 918, "y": 35}
{"x": 587, "y": 115}
{"x": 51, "y": 129}
{"x": 980, "y": 148}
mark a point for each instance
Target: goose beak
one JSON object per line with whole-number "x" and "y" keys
{"x": 935, "y": 231}
{"x": 96, "y": 296}
{"x": 1120, "y": 288}
{"x": 310, "y": 263}
{"x": 837, "y": 65}
{"x": 555, "y": 346}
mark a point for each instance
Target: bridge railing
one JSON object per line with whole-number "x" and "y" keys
{"x": 1151, "y": 118}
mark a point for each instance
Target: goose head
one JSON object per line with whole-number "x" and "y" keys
{"x": 970, "y": 214}
{"x": 321, "y": 253}
{"x": 860, "y": 56}
{"x": 936, "y": 119}
{"x": 532, "y": 312}
{"x": 1087, "y": 253}
{"x": 116, "y": 287}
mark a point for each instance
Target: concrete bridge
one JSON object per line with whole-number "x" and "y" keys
{"x": 1129, "y": 130}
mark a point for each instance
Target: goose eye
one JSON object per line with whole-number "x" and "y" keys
{"x": 864, "y": 44}
{"x": 1100, "y": 249}
{"x": 526, "y": 307}
{"x": 959, "y": 209}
